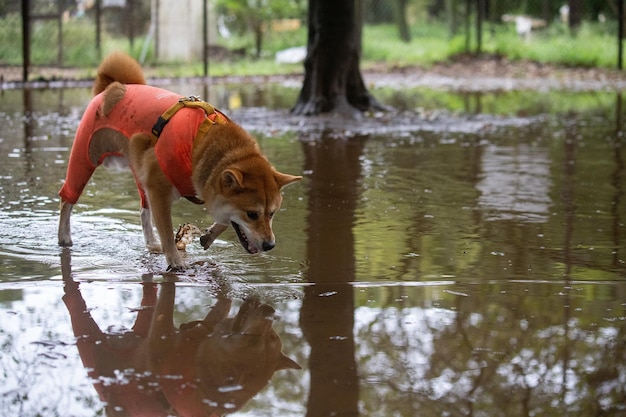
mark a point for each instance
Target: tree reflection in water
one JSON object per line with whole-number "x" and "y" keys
{"x": 327, "y": 315}
{"x": 484, "y": 346}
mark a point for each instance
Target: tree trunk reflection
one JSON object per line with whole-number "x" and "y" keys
{"x": 327, "y": 315}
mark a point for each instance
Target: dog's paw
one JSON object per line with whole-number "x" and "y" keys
{"x": 176, "y": 264}
{"x": 65, "y": 239}
{"x": 206, "y": 240}
{"x": 175, "y": 259}
{"x": 175, "y": 269}
{"x": 65, "y": 242}
{"x": 154, "y": 247}
{"x": 211, "y": 233}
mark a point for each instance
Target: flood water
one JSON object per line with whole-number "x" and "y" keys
{"x": 467, "y": 257}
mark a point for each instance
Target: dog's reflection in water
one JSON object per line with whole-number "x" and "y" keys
{"x": 208, "y": 367}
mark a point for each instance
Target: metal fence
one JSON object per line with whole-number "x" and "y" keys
{"x": 64, "y": 38}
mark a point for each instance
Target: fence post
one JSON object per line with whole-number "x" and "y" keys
{"x": 157, "y": 39}
{"x": 130, "y": 20}
{"x": 98, "y": 29}
{"x": 25, "y": 39}
{"x": 620, "y": 33}
{"x": 479, "y": 26}
{"x": 60, "y": 52}
{"x": 468, "y": 13}
{"x": 205, "y": 37}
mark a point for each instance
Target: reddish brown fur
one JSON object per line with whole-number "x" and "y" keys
{"x": 237, "y": 183}
{"x": 117, "y": 67}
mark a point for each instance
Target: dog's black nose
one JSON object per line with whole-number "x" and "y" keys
{"x": 268, "y": 246}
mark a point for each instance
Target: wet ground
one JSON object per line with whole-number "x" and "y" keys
{"x": 463, "y": 255}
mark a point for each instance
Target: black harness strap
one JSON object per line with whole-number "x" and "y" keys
{"x": 194, "y": 199}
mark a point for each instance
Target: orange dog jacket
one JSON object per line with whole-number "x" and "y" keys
{"x": 181, "y": 121}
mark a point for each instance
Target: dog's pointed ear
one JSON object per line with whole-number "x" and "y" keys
{"x": 285, "y": 179}
{"x": 285, "y": 362}
{"x": 232, "y": 178}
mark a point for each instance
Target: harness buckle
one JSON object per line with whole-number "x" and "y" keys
{"x": 158, "y": 126}
{"x": 189, "y": 98}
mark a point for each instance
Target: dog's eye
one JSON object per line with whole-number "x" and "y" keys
{"x": 272, "y": 214}
{"x": 253, "y": 215}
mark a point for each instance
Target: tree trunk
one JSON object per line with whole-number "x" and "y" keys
{"x": 400, "y": 18}
{"x": 332, "y": 77}
{"x": 258, "y": 38}
{"x": 575, "y": 13}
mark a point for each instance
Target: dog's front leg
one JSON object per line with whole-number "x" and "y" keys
{"x": 211, "y": 234}
{"x": 161, "y": 207}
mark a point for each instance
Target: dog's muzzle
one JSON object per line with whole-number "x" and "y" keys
{"x": 249, "y": 246}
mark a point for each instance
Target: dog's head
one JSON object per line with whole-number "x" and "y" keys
{"x": 248, "y": 200}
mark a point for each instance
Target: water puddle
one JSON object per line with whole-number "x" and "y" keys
{"x": 463, "y": 255}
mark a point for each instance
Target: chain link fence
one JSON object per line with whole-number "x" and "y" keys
{"x": 48, "y": 39}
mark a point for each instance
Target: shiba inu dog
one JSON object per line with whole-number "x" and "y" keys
{"x": 175, "y": 147}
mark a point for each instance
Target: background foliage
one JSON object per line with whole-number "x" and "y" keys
{"x": 396, "y": 33}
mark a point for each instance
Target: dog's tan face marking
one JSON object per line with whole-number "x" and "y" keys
{"x": 250, "y": 203}
{"x": 254, "y": 228}
{"x": 256, "y": 198}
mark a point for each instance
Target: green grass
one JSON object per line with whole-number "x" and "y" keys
{"x": 381, "y": 43}
{"x": 243, "y": 67}
{"x": 592, "y": 45}
{"x": 78, "y": 40}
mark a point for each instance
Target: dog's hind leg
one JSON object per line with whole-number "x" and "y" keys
{"x": 87, "y": 153}
{"x": 79, "y": 170}
{"x": 148, "y": 231}
{"x": 65, "y": 236}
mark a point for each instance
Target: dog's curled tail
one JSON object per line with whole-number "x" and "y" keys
{"x": 119, "y": 67}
